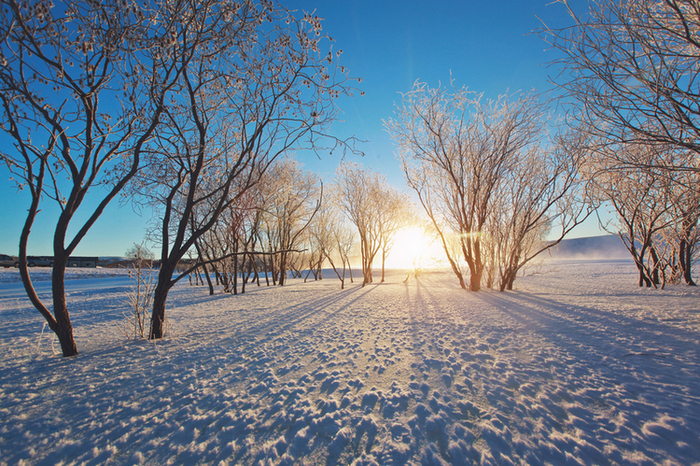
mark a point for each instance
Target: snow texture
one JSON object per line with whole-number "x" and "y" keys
{"x": 577, "y": 366}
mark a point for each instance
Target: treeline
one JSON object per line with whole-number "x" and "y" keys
{"x": 182, "y": 106}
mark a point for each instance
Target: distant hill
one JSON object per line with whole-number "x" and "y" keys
{"x": 592, "y": 247}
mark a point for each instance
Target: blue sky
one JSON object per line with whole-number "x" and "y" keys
{"x": 487, "y": 46}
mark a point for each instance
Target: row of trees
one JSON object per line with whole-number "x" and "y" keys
{"x": 290, "y": 221}
{"x": 497, "y": 178}
{"x": 654, "y": 213}
{"x": 629, "y": 71}
{"x": 186, "y": 104}
{"x": 189, "y": 106}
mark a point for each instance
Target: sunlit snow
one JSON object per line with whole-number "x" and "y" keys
{"x": 577, "y": 366}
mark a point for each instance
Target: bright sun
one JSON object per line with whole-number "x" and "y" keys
{"x": 412, "y": 249}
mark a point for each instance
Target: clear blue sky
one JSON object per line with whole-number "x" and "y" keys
{"x": 487, "y": 46}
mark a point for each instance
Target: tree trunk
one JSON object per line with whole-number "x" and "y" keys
{"x": 685, "y": 258}
{"x": 235, "y": 268}
{"x": 475, "y": 280}
{"x": 383, "y": 262}
{"x": 64, "y": 328}
{"x": 273, "y": 271}
{"x": 507, "y": 280}
{"x": 655, "y": 270}
{"x": 244, "y": 276}
{"x": 160, "y": 296}
{"x": 209, "y": 282}
{"x": 59, "y": 323}
{"x": 204, "y": 267}
{"x": 643, "y": 279}
{"x": 158, "y": 316}
{"x": 282, "y": 268}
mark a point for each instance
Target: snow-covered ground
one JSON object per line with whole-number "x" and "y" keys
{"x": 577, "y": 366}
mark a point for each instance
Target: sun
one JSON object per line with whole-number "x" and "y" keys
{"x": 412, "y": 249}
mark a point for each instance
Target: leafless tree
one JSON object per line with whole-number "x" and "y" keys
{"x": 83, "y": 86}
{"x": 293, "y": 199}
{"x": 394, "y": 213}
{"x": 259, "y": 86}
{"x": 655, "y": 215}
{"x": 487, "y": 177}
{"x": 631, "y": 69}
{"x": 685, "y": 214}
{"x": 542, "y": 198}
{"x": 372, "y": 206}
{"x": 135, "y": 323}
{"x": 332, "y": 239}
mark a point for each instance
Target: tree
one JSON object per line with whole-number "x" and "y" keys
{"x": 542, "y": 198}
{"x": 685, "y": 207}
{"x": 393, "y": 213}
{"x": 372, "y": 206}
{"x": 485, "y": 168}
{"x": 631, "y": 69}
{"x": 141, "y": 295}
{"x": 256, "y": 86}
{"x": 82, "y": 91}
{"x": 292, "y": 201}
{"x": 656, "y": 216}
{"x": 331, "y": 239}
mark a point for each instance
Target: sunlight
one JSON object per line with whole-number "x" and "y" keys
{"x": 412, "y": 248}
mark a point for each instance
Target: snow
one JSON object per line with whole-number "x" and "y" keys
{"x": 577, "y": 366}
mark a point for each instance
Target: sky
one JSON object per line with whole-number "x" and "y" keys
{"x": 488, "y": 47}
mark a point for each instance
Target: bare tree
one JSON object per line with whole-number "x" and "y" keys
{"x": 332, "y": 239}
{"x": 655, "y": 215}
{"x": 293, "y": 199}
{"x": 259, "y": 87}
{"x": 631, "y": 68}
{"x": 393, "y": 213}
{"x": 372, "y": 206}
{"x": 83, "y": 88}
{"x": 542, "y": 198}
{"x": 685, "y": 208}
{"x": 461, "y": 156}
{"x": 135, "y": 323}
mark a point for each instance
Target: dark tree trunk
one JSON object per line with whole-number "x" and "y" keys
{"x": 655, "y": 271}
{"x": 209, "y": 282}
{"x": 685, "y": 258}
{"x": 160, "y": 295}
{"x": 643, "y": 279}
{"x": 273, "y": 271}
{"x": 235, "y": 268}
{"x": 507, "y": 280}
{"x": 475, "y": 280}
{"x": 267, "y": 272}
{"x": 254, "y": 263}
{"x": 282, "y": 268}
{"x": 64, "y": 328}
{"x": 244, "y": 276}
{"x": 59, "y": 322}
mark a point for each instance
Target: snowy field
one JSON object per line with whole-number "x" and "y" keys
{"x": 577, "y": 366}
